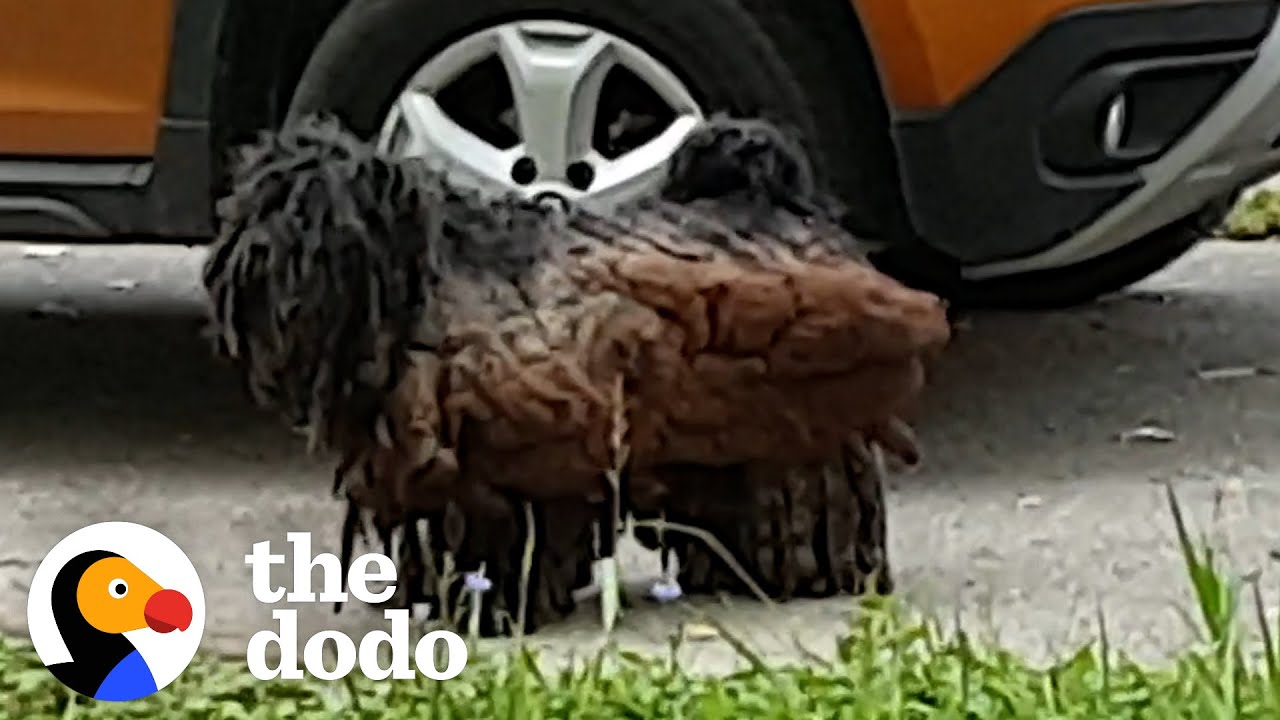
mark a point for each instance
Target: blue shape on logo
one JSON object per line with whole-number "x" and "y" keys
{"x": 130, "y": 679}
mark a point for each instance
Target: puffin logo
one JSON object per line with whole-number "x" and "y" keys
{"x": 116, "y": 611}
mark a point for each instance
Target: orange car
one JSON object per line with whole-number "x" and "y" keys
{"x": 1004, "y": 152}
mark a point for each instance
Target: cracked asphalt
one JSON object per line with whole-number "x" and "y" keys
{"x": 1028, "y": 514}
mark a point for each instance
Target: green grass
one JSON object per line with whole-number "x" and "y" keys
{"x": 1254, "y": 218}
{"x": 888, "y": 666}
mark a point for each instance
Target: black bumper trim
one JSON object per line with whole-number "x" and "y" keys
{"x": 975, "y": 180}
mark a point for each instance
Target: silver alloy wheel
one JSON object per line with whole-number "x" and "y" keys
{"x": 556, "y": 71}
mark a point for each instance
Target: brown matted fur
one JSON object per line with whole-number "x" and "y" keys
{"x": 464, "y": 355}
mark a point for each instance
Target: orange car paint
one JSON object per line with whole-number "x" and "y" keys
{"x": 83, "y": 77}
{"x": 931, "y": 52}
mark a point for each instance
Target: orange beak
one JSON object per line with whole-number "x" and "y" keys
{"x": 168, "y": 610}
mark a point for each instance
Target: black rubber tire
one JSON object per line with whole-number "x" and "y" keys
{"x": 829, "y": 54}
{"x": 805, "y": 531}
{"x": 745, "y": 57}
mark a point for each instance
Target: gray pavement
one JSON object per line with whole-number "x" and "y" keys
{"x": 1027, "y": 513}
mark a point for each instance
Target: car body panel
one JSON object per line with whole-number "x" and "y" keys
{"x": 979, "y": 175}
{"x": 932, "y": 52}
{"x": 83, "y": 78}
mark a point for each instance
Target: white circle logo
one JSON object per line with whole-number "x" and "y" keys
{"x": 116, "y": 611}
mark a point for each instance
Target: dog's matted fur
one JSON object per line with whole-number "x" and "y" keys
{"x": 474, "y": 360}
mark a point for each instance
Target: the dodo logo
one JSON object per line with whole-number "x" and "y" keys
{"x": 116, "y": 611}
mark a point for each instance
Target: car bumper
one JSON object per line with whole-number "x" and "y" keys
{"x": 1022, "y": 175}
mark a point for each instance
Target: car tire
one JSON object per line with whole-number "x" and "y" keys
{"x": 746, "y": 57}
{"x": 374, "y": 46}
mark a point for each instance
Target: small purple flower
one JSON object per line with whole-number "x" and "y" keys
{"x": 665, "y": 591}
{"x": 477, "y": 583}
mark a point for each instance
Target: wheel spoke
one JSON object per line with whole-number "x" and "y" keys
{"x": 556, "y": 71}
{"x": 662, "y": 81}
{"x": 643, "y": 168}
{"x": 434, "y": 134}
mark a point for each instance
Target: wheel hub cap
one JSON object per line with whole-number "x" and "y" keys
{"x": 557, "y": 73}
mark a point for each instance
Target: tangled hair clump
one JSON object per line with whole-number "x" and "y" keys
{"x": 755, "y": 162}
{"x": 317, "y": 271}
{"x": 319, "y": 275}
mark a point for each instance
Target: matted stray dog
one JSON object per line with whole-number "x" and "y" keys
{"x": 499, "y": 379}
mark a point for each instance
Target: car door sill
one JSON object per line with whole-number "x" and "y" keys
{"x": 78, "y": 173}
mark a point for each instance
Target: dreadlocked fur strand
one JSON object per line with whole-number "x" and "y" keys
{"x": 313, "y": 294}
{"x": 459, "y": 354}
